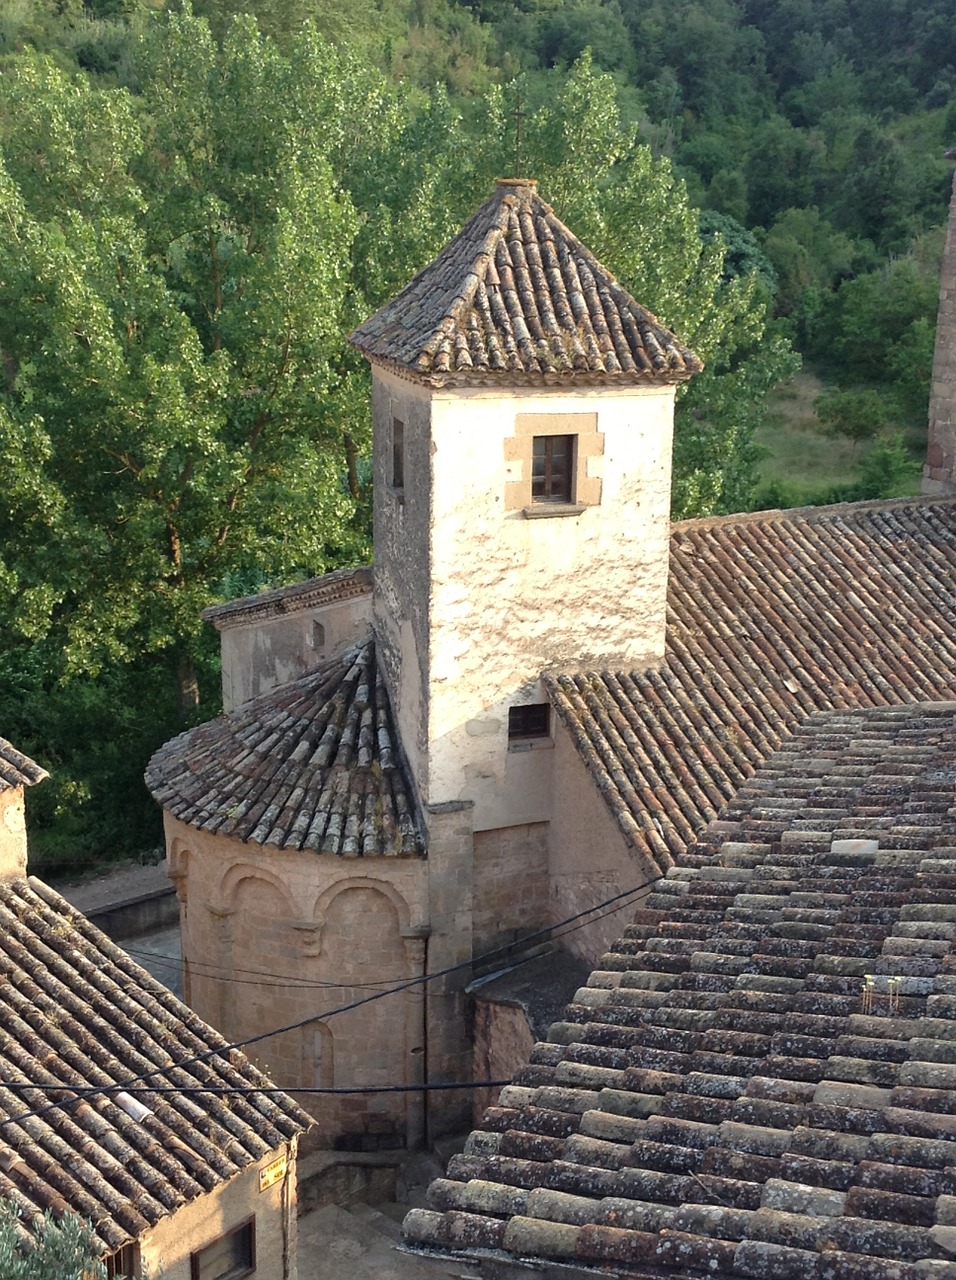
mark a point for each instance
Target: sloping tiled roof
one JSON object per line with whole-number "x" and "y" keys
{"x": 16, "y": 769}
{"x": 341, "y": 584}
{"x": 314, "y": 764}
{"x": 758, "y": 1082}
{"x": 516, "y": 293}
{"x": 76, "y": 1012}
{"x": 770, "y": 617}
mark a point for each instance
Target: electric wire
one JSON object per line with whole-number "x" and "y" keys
{"x": 200, "y": 969}
{"x": 218, "y": 973}
{"x": 227, "y": 1090}
{"x": 598, "y": 911}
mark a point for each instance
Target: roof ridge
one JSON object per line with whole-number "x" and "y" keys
{"x": 16, "y": 769}
{"x": 809, "y": 512}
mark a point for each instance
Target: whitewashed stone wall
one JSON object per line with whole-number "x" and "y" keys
{"x": 473, "y": 600}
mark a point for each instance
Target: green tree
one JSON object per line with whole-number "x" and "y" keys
{"x": 50, "y": 1250}
{"x": 855, "y": 415}
{"x": 423, "y": 180}
{"x": 173, "y": 300}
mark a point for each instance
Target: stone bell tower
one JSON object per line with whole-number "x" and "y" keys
{"x": 523, "y": 419}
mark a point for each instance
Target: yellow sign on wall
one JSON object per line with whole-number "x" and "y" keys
{"x": 273, "y": 1172}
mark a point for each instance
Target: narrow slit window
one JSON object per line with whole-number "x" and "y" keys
{"x": 526, "y": 722}
{"x": 552, "y": 462}
{"x": 398, "y": 454}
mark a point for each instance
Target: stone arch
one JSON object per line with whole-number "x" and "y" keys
{"x": 178, "y": 854}
{"x": 262, "y": 952}
{"x": 364, "y": 924}
{"x": 325, "y": 899}
{"x": 230, "y": 886}
{"x": 319, "y": 1051}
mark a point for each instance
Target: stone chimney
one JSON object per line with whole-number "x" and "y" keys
{"x": 16, "y": 772}
{"x": 939, "y": 472}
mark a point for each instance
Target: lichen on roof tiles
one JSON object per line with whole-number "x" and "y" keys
{"x": 312, "y": 765}
{"x": 516, "y": 293}
{"x": 757, "y": 1079}
{"x": 770, "y": 617}
{"x": 16, "y": 769}
{"x": 76, "y": 1012}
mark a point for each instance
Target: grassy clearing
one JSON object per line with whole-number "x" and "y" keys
{"x": 799, "y": 457}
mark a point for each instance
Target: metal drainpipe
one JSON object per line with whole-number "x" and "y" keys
{"x": 289, "y": 1223}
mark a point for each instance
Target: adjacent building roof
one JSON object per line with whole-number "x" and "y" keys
{"x": 75, "y": 1013}
{"x": 314, "y": 765}
{"x": 770, "y": 617}
{"x": 758, "y": 1082}
{"x": 16, "y": 769}
{"x": 516, "y": 293}
{"x": 341, "y": 584}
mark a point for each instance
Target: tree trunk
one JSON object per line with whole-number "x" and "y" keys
{"x": 187, "y": 687}
{"x": 351, "y": 458}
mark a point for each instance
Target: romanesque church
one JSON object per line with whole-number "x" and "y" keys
{"x": 534, "y": 701}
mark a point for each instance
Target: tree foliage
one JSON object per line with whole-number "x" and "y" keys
{"x": 195, "y": 213}
{"x": 172, "y": 289}
{"x": 63, "y": 1250}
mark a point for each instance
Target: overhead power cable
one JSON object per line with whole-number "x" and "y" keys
{"x": 226, "y": 1090}
{"x": 599, "y": 910}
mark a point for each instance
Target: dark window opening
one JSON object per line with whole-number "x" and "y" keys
{"x": 398, "y": 454}
{"x": 552, "y": 460}
{"x": 123, "y": 1264}
{"x": 231, "y": 1256}
{"x": 532, "y": 721}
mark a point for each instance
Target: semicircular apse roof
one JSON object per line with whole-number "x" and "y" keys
{"x": 312, "y": 765}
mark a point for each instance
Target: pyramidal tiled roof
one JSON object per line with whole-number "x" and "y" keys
{"x": 313, "y": 764}
{"x": 77, "y": 1013}
{"x": 16, "y": 769}
{"x": 770, "y": 617}
{"x": 516, "y": 293}
{"x": 758, "y": 1081}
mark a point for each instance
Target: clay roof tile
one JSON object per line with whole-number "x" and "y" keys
{"x": 516, "y": 294}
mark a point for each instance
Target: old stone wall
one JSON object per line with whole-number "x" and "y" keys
{"x": 166, "y": 1250}
{"x": 503, "y": 1042}
{"x": 511, "y": 882}
{"x": 939, "y": 472}
{"x": 473, "y": 599}
{"x": 263, "y": 653}
{"x": 589, "y": 860}
{"x": 401, "y": 531}
{"x": 13, "y": 835}
{"x": 511, "y": 596}
{"x": 450, "y": 947}
{"x": 273, "y": 937}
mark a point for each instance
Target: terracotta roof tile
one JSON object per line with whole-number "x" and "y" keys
{"x": 770, "y": 617}
{"x": 313, "y": 765}
{"x": 76, "y": 1012}
{"x": 515, "y": 293}
{"x": 16, "y": 769}
{"x": 789, "y": 1132}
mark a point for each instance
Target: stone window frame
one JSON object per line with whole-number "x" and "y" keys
{"x": 588, "y": 443}
{"x": 198, "y": 1269}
